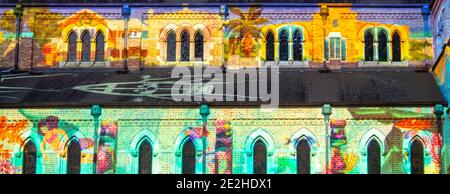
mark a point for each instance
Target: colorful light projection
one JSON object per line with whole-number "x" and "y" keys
{"x": 241, "y": 41}
{"x": 223, "y": 147}
{"x": 106, "y": 158}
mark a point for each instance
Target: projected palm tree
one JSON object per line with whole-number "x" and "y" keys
{"x": 246, "y": 27}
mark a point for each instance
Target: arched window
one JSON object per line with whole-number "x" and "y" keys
{"x": 73, "y": 157}
{"x": 368, "y": 45}
{"x": 198, "y": 54}
{"x": 72, "y": 47}
{"x": 259, "y": 158}
{"x": 284, "y": 45}
{"x": 29, "y": 158}
{"x": 270, "y": 50}
{"x": 145, "y": 158}
{"x": 303, "y": 157}
{"x": 86, "y": 48}
{"x": 188, "y": 158}
{"x": 382, "y": 46}
{"x": 171, "y": 46}
{"x": 396, "y": 47}
{"x": 416, "y": 157}
{"x": 298, "y": 45}
{"x": 373, "y": 157}
{"x": 185, "y": 44}
{"x": 100, "y": 47}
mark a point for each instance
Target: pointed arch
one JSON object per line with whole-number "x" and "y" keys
{"x": 417, "y": 156}
{"x": 270, "y": 48}
{"x": 198, "y": 45}
{"x": 185, "y": 45}
{"x": 303, "y": 135}
{"x": 145, "y": 157}
{"x": 144, "y": 135}
{"x": 180, "y": 142}
{"x": 297, "y": 39}
{"x": 86, "y": 46}
{"x": 371, "y": 136}
{"x": 171, "y": 45}
{"x": 259, "y": 135}
{"x": 188, "y": 158}
{"x": 368, "y": 45}
{"x": 303, "y": 157}
{"x": 259, "y": 157}
{"x": 283, "y": 39}
{"x": 396, "y": 46}
{"x": 100, "y": 47}
{"x": 373, "y": 157}
{"x": 382, "y": 45}
{"x": 29, "y": 136}
{"x": 72, "y": 46}
{"x": 29, "y": 163}
{"x": 73, "y": 157}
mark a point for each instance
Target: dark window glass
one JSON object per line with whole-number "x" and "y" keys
{"x": 284, "y": 45}
{"x": 188, "y": 157}
{"x": 259, "y": 158}
{"x": 29, "y": 158}
{"x": 86, "y": 48}
{"x": 373, "y": 158}
{"x": 382, "y": 46}
{"x": 145, "y": 158}
{"x": 72, "y": 47}
{"x": 417, "y": 158}
{"x": 185, "y": 46}
{"x": 303, "y": 157}
{"x": 368, "y": 45}
{"x": 198, "y": 46}
{"x": 73, "y": 158}
{"x": 270, "y": 50}
{"x": 100, "y": 47}
{"x": 171, "y": 46}
{"x": 396, "y": 47}
{"x": 298, "y": 45}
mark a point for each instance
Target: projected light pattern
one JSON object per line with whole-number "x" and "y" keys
{"x": 230, "y": 150}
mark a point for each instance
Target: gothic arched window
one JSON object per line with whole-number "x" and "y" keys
{"x": 270, "y": 50}
{"x": 298, "y": 45}
{"x": 396, "y": 47}
{"x": 100, "y": 47}
{"x": 382, "y": 46}
{"x": 303, "y": 157}
{"x": 259, "y": 158}
{"x": 368, "y": 45}
{"x": 373, "y": 157}
{"x": 73, "y": 157}
{"x": 185, "y": 44}
{"x": 284, "y": 45}
{"x": 171, "y": 46}
{"x": 29, "y": 158}
{"x": 145, "y": 158}
{"x": 198, "y": 52}
{"x": 188, "y": 158}
{"x": 86, "y": 47}
{"x": 417, "y": 157}
{"x": 72, "y": 47}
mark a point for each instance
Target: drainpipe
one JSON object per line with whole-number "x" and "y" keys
{"x": 96, "y": 111}
{"x": 224, "y": 13}
{"x": 126, "y": 13}
{"x": 326, "y": 112}
{"x": 324, "y": 13}
{"x": 204, "y": 112}
{"x": 426, "y": 31}
{"x": 18, "y": 12}
{"x": 439, "y": 111}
